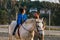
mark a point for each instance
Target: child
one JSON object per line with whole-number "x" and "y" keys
{"x": 22, "y": 17}
{"x": 39, "y": 26}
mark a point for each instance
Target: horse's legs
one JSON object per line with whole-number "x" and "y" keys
{"x": 42, "y": 37}
{"x": 32, "y": 38}
{"x": 10, "y": 37}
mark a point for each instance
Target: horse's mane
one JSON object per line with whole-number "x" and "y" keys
{"x": 29, "y": 21}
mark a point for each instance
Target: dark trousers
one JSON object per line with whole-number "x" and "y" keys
{"x": 15, "y": 29}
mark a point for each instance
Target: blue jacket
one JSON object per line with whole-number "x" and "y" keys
{"x": 21, "y": 18}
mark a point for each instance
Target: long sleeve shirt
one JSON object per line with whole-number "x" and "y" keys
{"x": 21, "y": 18}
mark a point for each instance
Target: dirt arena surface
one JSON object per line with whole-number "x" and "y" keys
{"x": 5, "y": 36}
{"x": 52, "y": 37}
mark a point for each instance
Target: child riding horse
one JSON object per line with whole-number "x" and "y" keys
{"x": 22, "y": 17}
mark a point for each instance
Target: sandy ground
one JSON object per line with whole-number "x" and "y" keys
{"x": 4, "y": 36}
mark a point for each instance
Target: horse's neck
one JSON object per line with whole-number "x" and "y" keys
{"x": 27, "y": 26}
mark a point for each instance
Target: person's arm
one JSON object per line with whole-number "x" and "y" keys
{"x": 19, "y": 20}
{"x": 25, "y": 18}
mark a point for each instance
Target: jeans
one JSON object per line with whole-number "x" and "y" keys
{"x": 15, "y": 29}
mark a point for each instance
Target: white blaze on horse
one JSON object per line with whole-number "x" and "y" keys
{"x": 26, "y": 30}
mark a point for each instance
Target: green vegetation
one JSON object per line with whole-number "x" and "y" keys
{"x": 8, "y": 11}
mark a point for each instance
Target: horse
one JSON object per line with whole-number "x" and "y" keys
{"x": 26, "y": 30}
{"x": 40, "y": 33}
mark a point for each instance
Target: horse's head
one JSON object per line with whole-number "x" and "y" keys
{"x": 41, "y": 24}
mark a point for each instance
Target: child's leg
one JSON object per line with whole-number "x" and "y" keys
{"x": 15, "y": 29}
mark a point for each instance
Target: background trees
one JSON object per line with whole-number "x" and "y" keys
{"x": 8, "y": 12}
